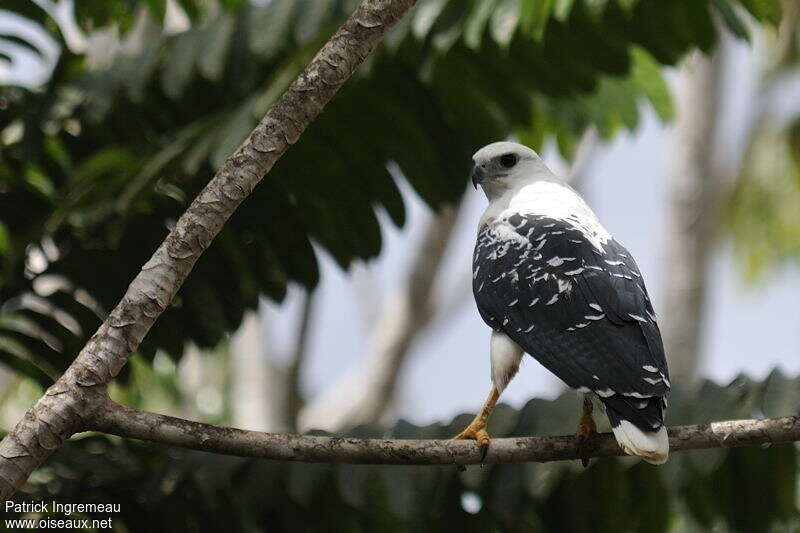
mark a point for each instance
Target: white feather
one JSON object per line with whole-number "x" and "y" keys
{"x": 653, "y": 446}
{"x": 505, "y": 356}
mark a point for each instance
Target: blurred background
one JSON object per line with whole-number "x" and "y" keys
{"x": 338, "y": 298}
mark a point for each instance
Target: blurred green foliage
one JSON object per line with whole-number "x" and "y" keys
{"x": 762, "y": 212}
{"x": 160, "y": 488}
{"x": 97, "y": 165}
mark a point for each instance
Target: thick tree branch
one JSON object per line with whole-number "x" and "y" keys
{"x": 132, "y": 423}
{"x": 70, "y": 402}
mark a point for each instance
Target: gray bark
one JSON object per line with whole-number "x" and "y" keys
{"x": 132, "y": 423}
{"x": 257, "y": 383}
{"x": 694, "y": 189}
{"x": 584, "y": 154}
{"x": 75, "y": 398}
{"x": 293, "y": 396}
{"x": 786, "y": 42}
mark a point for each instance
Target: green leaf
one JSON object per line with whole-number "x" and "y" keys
{"x": 596, "y": 7}
{"x": 158, "y": 8}
{"x": 216, "y": 41}
{"x": 180, "y": 63}
{"x": 10, "y": 354}
{"x": 649, "y": 79}
{"x": 269, "y": 26}
{"x": 192, "y": 8}
{"x": 562, "y": 9}
{"x": 5, "y": 239}
{"x": 731, "y": 18}
{"x": 232, "y": 133}
{"x": 504, "y": 21}
{"x": 534, "y": 15}
{"x": 627, "y": 5}
{"x": 39, "y": 182}
{"x": 781, "y": 395}
{"x": 476, "y": 22}
{"x": 233, "y": 4}
{"x": 315, "y": 14}
{"x": 425, "y": 15}
{"x": 769, "y": 10}
{"x": 761, "y": 214}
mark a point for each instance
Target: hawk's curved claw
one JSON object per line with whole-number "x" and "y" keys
{"x": 476, "y": 430}
{"x": 479, "y": 435}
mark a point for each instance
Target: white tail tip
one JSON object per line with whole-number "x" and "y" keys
{"x": 653, "y": 447}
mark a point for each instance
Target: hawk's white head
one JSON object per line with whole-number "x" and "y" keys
{"x": 506, "y": 166}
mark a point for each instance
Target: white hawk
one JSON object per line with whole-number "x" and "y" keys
{"x": 551, "y": 281}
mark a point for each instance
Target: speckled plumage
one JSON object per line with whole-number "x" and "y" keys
{"x": 551, "y": 279}
{"x": 582, "y": 312}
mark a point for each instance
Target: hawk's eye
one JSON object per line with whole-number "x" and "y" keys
{"x": 508, "y": 160}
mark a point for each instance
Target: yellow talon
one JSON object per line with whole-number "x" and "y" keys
{"x": 476, "y": 430}
{"x": 476, "y": 433}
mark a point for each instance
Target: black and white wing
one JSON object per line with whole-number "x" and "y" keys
{"x": 577, "y": 304}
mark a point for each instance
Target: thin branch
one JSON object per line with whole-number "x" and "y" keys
{"x": 584, "y": 154}
{"x": 67, "y": 405}
{"x": 294, "y": 397}
{"x": 786, "y": 40}
{"x": 132, "y": 423}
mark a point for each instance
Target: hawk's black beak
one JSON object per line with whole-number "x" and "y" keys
{"x": 478, "y": 175}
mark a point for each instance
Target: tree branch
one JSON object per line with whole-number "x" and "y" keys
{"x": 132, "y": 423}
{"x": 294, "y": 397}
{"x": 67, "y": 405}
{"x": 584, "y": 154}
{"x": 786, "y": 39}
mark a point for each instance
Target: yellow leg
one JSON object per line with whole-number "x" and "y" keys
{"x": 476, "y": 430}
{"x": 586, "y": 426}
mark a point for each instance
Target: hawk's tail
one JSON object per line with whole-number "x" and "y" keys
{"x": 652, "y": 445}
